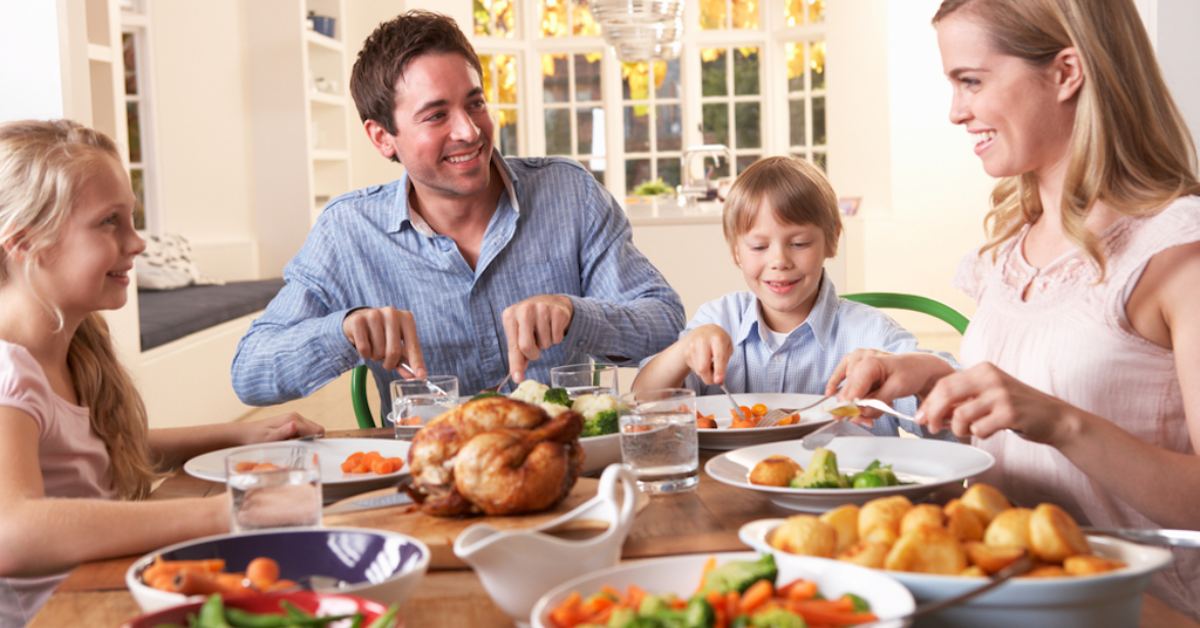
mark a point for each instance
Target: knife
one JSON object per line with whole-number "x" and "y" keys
{"x": 399, "y": 498}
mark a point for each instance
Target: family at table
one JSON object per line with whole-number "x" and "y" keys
{"x": 1079, "y": 372}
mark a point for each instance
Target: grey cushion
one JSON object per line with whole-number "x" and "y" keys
{"x": 172, "y": 314}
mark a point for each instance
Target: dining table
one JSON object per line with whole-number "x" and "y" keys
{"x": 703, "y": 520}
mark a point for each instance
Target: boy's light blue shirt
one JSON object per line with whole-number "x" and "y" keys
{"x": 806, "y": 359}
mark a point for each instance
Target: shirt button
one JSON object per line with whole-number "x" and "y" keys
{"x": 444, "y": 243}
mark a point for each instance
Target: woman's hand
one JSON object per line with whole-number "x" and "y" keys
{"x": 983, "y": 400}
{"x": 280, "y": 427}
{"x": 706, "y": 352}
{"x": 885, "y": 376}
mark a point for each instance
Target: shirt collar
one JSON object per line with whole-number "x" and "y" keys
{"x": 820, "y": 320}
{"x": 404, "y": 215}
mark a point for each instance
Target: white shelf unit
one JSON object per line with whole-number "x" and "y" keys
{"x": 301, "y": 121}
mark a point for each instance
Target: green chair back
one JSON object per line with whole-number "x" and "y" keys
{"x": 901, "y": 301}
{"x": 358, "y": 396}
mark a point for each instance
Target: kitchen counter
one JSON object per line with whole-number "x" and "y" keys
{"x": 665, "y": 210}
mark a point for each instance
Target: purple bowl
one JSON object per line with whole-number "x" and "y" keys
{"x": 375, "y": 564}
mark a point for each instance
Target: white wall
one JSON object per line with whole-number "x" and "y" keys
{"x": 1172, "y": 25}
{"x": 367, "y": 166}
{"x": 30, "y": 32}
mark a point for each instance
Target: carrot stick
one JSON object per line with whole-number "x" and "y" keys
{"x": 756, "y": 596}
{"x": 196, "y": 582}
{"x": 566, "y": 615}
{"x": 840, "y": 605}
{"x": 814, "y": 617}
{"x": 171, "y": 567}
{"x": 800, "y": 590}
{"x": 732, "y": 602}
{"x": 709, "y": 565}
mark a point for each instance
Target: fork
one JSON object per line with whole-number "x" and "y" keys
{"x": 778, "y": 414}
{"x": 497, "y": 387}
{"x": 733, "y": 402}
{"x": 823, "y": 436}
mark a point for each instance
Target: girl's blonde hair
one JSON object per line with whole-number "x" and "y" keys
{"x": 43, "y": 165}
{"x": 795, "y": 189}
{"x": 1129, "y": 148}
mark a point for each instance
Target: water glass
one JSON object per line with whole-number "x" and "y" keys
{"x": 582, "y": 379}
{"x": 271, "y": 487}
{"x": 416, "y": 401}
{"x": 659, "y": 439}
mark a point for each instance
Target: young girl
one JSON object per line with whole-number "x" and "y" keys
{"x": 788, "y": 333}
{"x": 71, "y": 423}
{"x": 1087, "y": 338}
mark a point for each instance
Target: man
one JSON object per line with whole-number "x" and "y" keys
{"x": 470, "y": 264}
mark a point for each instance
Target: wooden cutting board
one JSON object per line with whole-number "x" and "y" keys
{"x": 439, "y": 532}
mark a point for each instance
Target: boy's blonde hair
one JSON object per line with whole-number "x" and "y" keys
{"x": 795, "y": 189}
{"x": 1129, "y": 148}
{"x": 43, "y": 165}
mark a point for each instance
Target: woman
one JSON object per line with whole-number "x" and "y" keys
{"x": 1086, "y": 341}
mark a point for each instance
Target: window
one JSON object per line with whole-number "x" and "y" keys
{"x": 726, "y": 14}
{"x": 500, "y": 91}
{"x": 731, "y": 101}
{"x": 138, "y": 116}
{"x": 652, "y": 117}
{"x": 572, "y": 98}
{"x": 495, "y": 18}
{"x": 805, "y": 60}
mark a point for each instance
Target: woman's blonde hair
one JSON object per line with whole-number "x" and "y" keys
{"x": 795, "y": 189}
{"x": 43, "y": 165}
{"x": 1129, "y": 148}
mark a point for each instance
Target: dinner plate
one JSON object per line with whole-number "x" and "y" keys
{"x": 599, "y": 452}
{"x": 723, "y": 437}
{"x": 927, "y": 464}
{"x": 1112, "y": 598}
{"x": 681, "y": 574}
{"x": 331, "y": 452}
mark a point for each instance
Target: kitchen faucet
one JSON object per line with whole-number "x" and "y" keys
{"x": 692, "y": 190}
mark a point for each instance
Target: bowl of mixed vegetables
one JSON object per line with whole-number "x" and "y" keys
{"x": 725, "y": 590}
{"x": 297, "y": 608}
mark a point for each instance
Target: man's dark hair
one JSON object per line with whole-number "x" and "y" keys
{"x": 390, "y": 49}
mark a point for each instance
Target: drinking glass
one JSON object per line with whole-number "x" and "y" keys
{"x": 271, "y": 487}
{"x": 416, "y": 401}
{"x": 658, "y": 439}
{"x": 582, "y": 379}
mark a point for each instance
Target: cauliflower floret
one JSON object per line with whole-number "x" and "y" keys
{"x": 530, "y": 391}
{"x": 591, "y": 405}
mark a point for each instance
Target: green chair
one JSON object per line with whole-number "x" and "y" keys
{"x": 901, "y": 301}
{"x": 358, "y": 396}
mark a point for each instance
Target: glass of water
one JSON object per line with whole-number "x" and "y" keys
{"x": 271, "y": 487}
{"x": 658, "y": 439}
{"x": 416, "y": 401}
{"x": 583, "y": 379}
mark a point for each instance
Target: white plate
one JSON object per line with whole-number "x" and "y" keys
{"x": 681, "y": 574}
{"x": 927, "y": 463}
{"x": 725, "y": 438}
{"x": 1107, "y": 599}
{"x": 331, "y": 452}
{"x": 600, "y": 451}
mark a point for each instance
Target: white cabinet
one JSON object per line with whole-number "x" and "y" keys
{"x": 300, "y": 110}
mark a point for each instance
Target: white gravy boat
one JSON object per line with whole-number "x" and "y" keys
{"x": 518, "y": 566}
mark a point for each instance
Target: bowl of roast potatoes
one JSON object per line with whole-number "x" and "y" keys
{"x": 940, "y": 551}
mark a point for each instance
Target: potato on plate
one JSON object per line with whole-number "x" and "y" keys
{"x": 865, "y": 553}
{"x": 922, "y": 515}
{"x": 927, "y": 550}
{"x": 885, "y": 513}
{"x": 964, "y": 522}
{"x": 987, "y": 500}
{"x": 805, "y": 534}
{"x": 844, "y": 520}
{"x": 992, "y": 558}
{"x": 774, "y": 471}
{"x": 1054, "y": 535}
{"x": 1010, "y": 528}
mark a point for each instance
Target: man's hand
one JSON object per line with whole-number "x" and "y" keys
{"x": 535, "y": 324}
{"x": 387, "y": 335}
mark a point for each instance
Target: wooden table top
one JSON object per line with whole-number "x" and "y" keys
{"x": 702, "y": 521}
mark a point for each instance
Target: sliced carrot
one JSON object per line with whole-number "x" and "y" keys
{"x": 348, "y": 467}
{"x": 758, "y": 409}
{"x": 381, "y": 467}
{"x": 262, "y": 572}
{"x": 602, "y": 616}
{"x": 732, "y": 602}
{"x": 244, "y": 466}
{"x": 740, "y": 423}
{"x": 597, "y": 603}
{"x": 834, "y": 618}
{"x": 709, "y": 565}
{"x": 802, "y": 590}
{"x": 265, "y": 466}
{"x": 634, "y": 596}
{"x": 567, "y": 614}
{"x": 172, "y": 567}
{"x": 840, "y": 605}
{"x": 612, "y": 593}
{"x": 755, "y": 596}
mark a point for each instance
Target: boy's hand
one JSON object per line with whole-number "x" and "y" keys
{"x": 706, "y": 351}
{"x": 279, "y": 427}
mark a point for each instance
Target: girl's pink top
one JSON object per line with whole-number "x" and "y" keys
{"x": 1070, "y": 337}
{"x": 73, "y": 460}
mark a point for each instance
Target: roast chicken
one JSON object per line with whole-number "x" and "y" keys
{"x": 495, "y": 456}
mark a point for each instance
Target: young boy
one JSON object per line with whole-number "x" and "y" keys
{"x": 788, "y": 333}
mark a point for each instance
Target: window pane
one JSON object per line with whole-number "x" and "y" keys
{"x": 822, "y": 161}
{"x": 554, "y": 18}
{"x": 712, "y": 72}
{"x": 582, "y": 20}
{"x": 637, "y": 128}
{"x": 599, "y": 174}
{"x": 745, "y": 14}
{"x": 555, "y": 82}
{"x": 494, "y": 17}
{"x": 137, "y": 181}
{"x": 509, "y": 124}
{"x": 716, "y": 123}
{"x": 793, "y": 14}
{"x": 816, "y": 56}
{"x": 669, "y": 127}
{"x": 489, "y": 83}
{"x": 587, "y": 76}
{"x": 744, "y": 161}
{"x": 558, "y": 131}
{"x": 668, "y": 171}
{"x": 818, "y": 114}
{"x": 745, "y": 71}
{"x": 135, "y": 132}
{"x": 713, "y": 14}
{"x": 506, "y": 78}
{"x": 129, "y": 45}
{"x": 666, "y": 79}
{"x": 805, "y": 11}
{"x": 748, "y": 118}
{"x": 584, "y": 120}
{"x": 816, "y": 11}
{"x": 637, "y": 172}
{"x": 794, "y": 53}
{"x": 796, "y": 122}
{"x": 635, "y": 81}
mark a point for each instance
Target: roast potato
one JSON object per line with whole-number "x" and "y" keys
{"x": 1054, "y": 535}
{"x": 885, "y": 513}
{"x": 927, "y": 550}
{"x": 964, "y": 522}
{"x": 865, "y": 553}
{"x": 1089, "y": 564}
{"x": 805, "y": 534}
{"x": 923, "y": 515}
{"x": 987, "y": 500}
{"x": 844, "y": 520}
{"x": 992, "y": 558}
{"x": 1009, "y": 528}
{"x": 774, "y": 471}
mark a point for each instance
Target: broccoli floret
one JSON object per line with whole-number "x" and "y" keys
{"x": 822, "y": 472}
{"x": 699, "y": 613}
{"x": 485, "y": 394}
{"x": 875, "y": 475}
{"x": 557, "y": 396}
{"x": 777, "y": 618}
{"x": 860, "y": 605}
{"x": 738, "y": 575}
{"x": 603, "y": 423}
